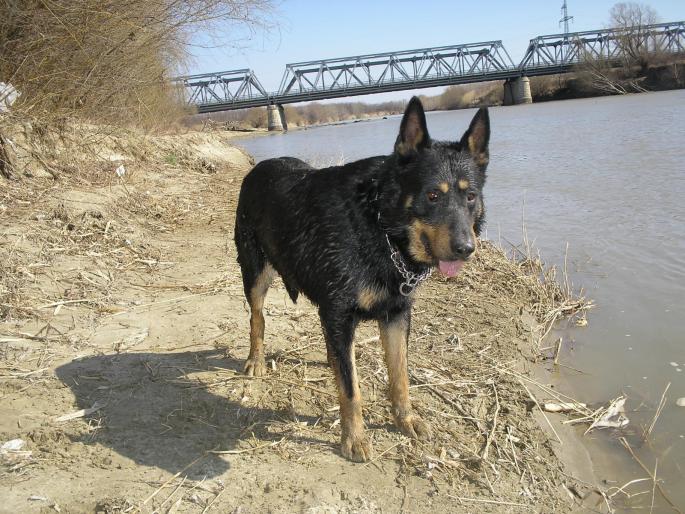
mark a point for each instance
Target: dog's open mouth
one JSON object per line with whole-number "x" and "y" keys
{"x": 450, "y": 268}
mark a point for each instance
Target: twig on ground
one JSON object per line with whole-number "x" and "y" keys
{"x": 542, "y": 411}
{"x": 174, "y": 477}
{"x": 491, "y": 432}
{"x": 246, "y": 450}
{"x": 373, "y": 461}
{"x": 483, "y": 500}
{"x": 79, "y": 413}
{"x": 213, "y": 500}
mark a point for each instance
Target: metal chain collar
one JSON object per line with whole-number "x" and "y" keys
{"x": 411, "y": 279}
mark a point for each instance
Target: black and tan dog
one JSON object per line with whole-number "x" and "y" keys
{"x": 356, "y": 240}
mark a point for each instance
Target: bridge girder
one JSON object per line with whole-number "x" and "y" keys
{"x": 427, "y": 67}
{"x": 224, "y": 87}
{"x": 382, "y": 70}
{"x": 564, "y": 50}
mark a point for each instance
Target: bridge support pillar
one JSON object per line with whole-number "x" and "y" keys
{"x": 517, "y": 91}
{"x": 276, "y": 118}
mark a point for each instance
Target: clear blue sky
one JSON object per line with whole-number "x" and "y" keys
{"x": 320, "y": 29}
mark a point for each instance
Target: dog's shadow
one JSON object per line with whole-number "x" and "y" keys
{"x": 155, "y": 415}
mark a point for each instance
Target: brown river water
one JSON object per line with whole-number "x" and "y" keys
{"x": 605, "y": 176}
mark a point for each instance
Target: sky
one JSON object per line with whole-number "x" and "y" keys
{"x": 307, "y": 30}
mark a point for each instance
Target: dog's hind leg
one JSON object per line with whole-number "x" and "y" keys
{"x": 339, "y": 333}
{"x": 257, "y": 277}
{"x": 255, "y": 365}
{"x": 394, "y": 336}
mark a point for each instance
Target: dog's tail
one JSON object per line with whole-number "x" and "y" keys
{"x": 250, "y": 255}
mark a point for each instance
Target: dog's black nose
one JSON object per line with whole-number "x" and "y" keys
{"x": 465, "y": 249}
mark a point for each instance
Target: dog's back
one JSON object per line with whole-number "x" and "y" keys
{"x": 304, "y": 223}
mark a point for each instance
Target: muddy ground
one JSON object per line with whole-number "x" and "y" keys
{"x": 120, "y": 294}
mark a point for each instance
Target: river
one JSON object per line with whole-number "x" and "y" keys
{"x": 604, "y": 177}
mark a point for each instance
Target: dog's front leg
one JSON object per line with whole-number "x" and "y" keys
{"x": 394, "y": 336}
{"x": 339, "y": 333}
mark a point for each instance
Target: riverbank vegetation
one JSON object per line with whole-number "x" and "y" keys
{"x": 110, "y": 62}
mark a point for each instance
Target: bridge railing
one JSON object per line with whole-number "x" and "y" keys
{"x": 385, "y": 69}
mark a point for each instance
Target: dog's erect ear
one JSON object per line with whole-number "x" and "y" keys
{"x": 477, "y": 137}
{"x": 413, "y": 134}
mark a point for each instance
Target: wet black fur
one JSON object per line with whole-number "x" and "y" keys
{"x": 320, "y": 228}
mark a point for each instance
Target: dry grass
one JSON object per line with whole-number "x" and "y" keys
{"x": 105, "y": 220}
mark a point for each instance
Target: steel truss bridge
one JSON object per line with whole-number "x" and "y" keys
{"x": 426, "y": 67}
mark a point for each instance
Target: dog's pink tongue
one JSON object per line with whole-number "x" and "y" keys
{"x": 450, "y": 268}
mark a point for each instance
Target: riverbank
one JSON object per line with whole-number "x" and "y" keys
{"x": 124, "y": 330}
{"x": 585, "y": 84}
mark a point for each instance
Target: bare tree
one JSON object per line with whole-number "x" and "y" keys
{"x": 637, "y": 50}
{"x": 634, "y": 40}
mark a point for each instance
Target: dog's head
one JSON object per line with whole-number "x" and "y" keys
{"x": 440, "y": 198}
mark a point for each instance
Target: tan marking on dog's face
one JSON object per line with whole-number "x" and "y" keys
{"x": 370, "y": 296}
{"x": 416, "y": 247}
{"x": 444, "y": 187}
{"x": 408, "y": 201}
{"x": 438, "y": 236}
{"x": 463, "y": 184}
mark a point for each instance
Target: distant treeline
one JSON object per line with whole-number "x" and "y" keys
{"x": 303, "y": 115}
{"x": 316, "y": 113}
{"x": 465, "y": 96}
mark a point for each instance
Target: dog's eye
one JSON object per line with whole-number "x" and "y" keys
{"x": 433, "y": 196}
{"x": 471, "y": 197}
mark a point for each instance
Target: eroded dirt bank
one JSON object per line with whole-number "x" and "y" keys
{"x": 120, "y": 294}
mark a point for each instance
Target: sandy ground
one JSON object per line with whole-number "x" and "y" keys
{"x": 122, "y": 296}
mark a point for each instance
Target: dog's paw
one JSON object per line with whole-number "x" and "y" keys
{"x": 356, "y": 449}
{"x": 413, "y": 426}
{"x": 255, "y": 367}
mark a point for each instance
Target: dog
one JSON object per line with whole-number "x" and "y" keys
{"x": 357, "y": 240}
